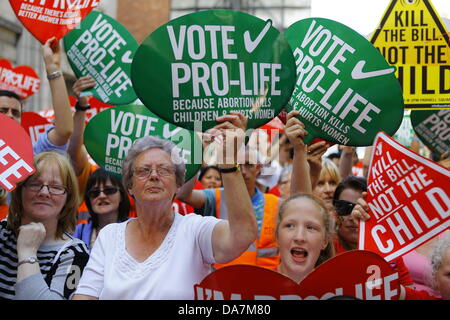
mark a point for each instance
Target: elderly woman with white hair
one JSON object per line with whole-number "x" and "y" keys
{"x": 161, "y": 254}
{"x": 440, "y": 265}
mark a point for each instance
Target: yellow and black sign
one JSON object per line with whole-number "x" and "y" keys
{"x": 412, "y": 37}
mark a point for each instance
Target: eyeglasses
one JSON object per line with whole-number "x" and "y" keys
{"x": 53, "y": 189}
{"x": 95, "y": 192}
{"x": 15, "y": 113}
{"x": 145, "y": 172}
{"x": 343, "y": 207}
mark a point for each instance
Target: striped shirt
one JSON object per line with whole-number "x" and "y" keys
{"x": 60, "y": 276}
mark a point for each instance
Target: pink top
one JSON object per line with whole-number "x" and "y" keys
{"x": 420, "y": 269}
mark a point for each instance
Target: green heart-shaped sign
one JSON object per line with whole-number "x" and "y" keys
{"x": 433, "y": 129}
{"x": 203, "y": 65}
{"x": 111, "y": 133}
{"x": 345, "y": 92}
{"x": 103, "y": 49}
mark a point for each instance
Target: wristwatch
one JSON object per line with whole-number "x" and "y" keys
{"x": 28, "y": 260}
{"x": 54, "y": 75}
{"x": 232, "y": 169}
{"x": 81, "y": 108}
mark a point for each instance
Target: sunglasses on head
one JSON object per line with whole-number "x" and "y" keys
{"x": 343, "y": 207}
{"x": 95, "y": 192}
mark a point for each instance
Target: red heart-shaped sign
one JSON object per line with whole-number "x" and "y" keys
{"x": 244, "y": 282}
{"x": 360, "y": 274}
{"x": 22, "y": 80}
{"x": 34, "y": 124}
{"x": 16, "y": 153}
{"x": 283, "y": 115}
{"x": 357, "y": 273}
{"x": 51, "y": 18}
{"x": 97, "y": 106}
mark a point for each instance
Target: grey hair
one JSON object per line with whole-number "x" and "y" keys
{"x": 147, "y": 143}
{"x": 437, "y": 255}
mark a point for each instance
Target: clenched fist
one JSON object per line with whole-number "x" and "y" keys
{"x": 30, "y": 239}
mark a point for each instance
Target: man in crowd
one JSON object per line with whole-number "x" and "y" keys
{"x": 56, "y": 138}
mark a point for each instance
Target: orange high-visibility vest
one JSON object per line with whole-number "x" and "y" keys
{"x": 263, "y": 252}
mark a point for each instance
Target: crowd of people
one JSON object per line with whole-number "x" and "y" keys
{"x": 73, "y": 230}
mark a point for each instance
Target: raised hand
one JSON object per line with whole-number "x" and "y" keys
{"x": 30, "y": 239}
{"x": 51, "y": 52}
{"x": 361, "y": 209}
{"x": 314, "y": 157}
{"x": 80, "y": 85}
{"x": 232, "y": 127}
{"x": 295, "y": 130}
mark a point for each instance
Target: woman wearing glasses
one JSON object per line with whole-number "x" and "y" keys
{"x": 107, "y": 202}
{"x": 345, "y": 198}
{"x": 38, "y": 257}
{"x": 162, "y": 254}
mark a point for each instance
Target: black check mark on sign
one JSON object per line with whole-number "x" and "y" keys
{"x": 250, "y": 45}
{"x": 358, "y": 73}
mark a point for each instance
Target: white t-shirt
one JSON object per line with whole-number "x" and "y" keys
{"x": 183, "y": 259}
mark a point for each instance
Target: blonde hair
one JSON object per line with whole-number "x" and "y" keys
{"x": 329, "y": 168}
{"x": 68, "y": 215}
{"x": 3, "y": 196}
{"x": 328, "y": 223}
